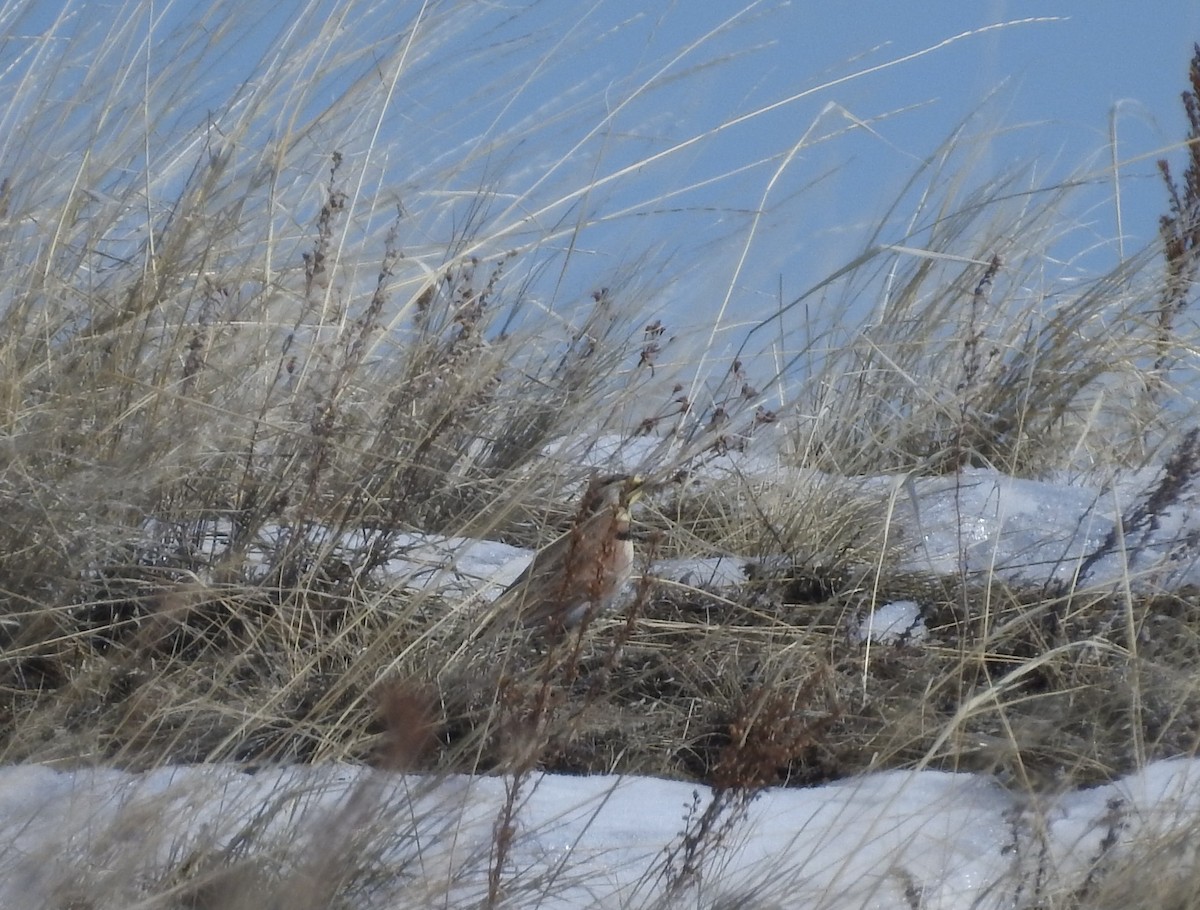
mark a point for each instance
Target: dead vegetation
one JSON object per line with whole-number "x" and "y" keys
{"x": 184, "y": 443}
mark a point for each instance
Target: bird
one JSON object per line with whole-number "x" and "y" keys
{"x": 580, "y": 573}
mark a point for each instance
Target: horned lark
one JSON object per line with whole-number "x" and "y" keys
{"x": 580, "y": 573}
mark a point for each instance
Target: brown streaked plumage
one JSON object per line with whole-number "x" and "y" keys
{"x": 580, "y": 573}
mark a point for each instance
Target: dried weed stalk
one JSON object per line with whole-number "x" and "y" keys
{"x": 767, "y": 734}
{"x": 1179, "y": 229}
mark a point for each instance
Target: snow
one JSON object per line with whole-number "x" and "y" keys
{"x": 1025, "y": 532}
{"x": 890, "y": 840}
{"x": 892, "y": 623}
{"x": 956, "y": 840}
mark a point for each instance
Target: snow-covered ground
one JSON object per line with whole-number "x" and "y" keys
{"x": 895, "y": 840}
{"x": 1026, "y": 532}
{"x": 892, "y": 840}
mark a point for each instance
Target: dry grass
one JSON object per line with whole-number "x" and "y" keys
{"x": 245, "y": 335}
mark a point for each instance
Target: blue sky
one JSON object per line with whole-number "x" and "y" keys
{"x": 733, "y": 156}
{"x": 1042, "y": 94}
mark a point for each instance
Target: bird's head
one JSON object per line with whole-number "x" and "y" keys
{"x": 612, "y": 491}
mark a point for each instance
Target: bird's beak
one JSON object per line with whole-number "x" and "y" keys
{"x": 635, "y": 486}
